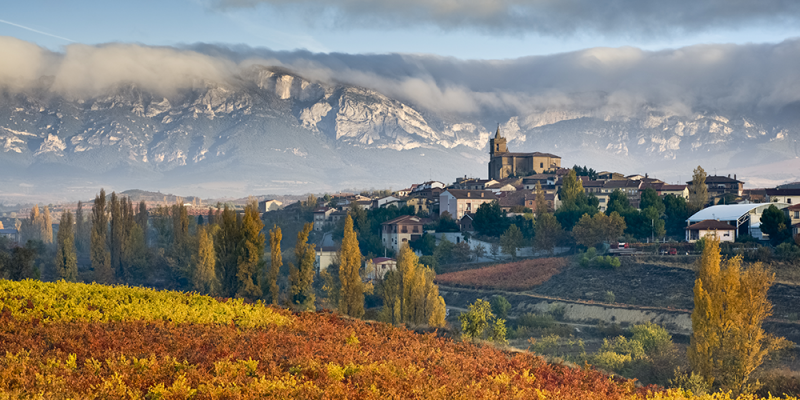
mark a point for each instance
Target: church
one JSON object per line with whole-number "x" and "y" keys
{"x": 504, "y": 164}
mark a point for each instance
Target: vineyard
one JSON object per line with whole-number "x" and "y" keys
{"x": 54, "y": 346}
{"x": 520, "y": 275}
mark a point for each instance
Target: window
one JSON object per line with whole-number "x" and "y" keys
{"x": 797, "y": 214}
{"x": 541, "y": 165}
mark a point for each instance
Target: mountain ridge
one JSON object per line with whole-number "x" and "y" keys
{"x": 314, "y": 136}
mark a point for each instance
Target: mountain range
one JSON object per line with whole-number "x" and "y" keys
{"x": 269, "y": 130}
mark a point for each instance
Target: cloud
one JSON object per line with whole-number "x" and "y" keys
{"x": 754, "y": 78}
{"x": 547, "y": 17}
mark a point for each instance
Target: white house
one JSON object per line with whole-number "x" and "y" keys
{"x": 788, "y": 196}
{"x": 459, "y": 202}
{"x": 403, "y": 229}
{"x": 745, "y": 218}
{"x": 327, "y": 252}
{"x": 710, "y": 227}
{"x": 269, "y": 205}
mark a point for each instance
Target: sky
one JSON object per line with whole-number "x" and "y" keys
{"x": 465, "y": 29}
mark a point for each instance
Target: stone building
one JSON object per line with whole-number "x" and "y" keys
{"x": 504, "y": 164}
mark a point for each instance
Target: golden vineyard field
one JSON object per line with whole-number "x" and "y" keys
{"x": 64, "y": 340}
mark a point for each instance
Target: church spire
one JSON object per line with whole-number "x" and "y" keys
{"x": 497, "y": 134}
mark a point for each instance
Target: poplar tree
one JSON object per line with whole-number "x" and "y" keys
{"x": 227, "y": 244}
{"x": 276, "y": 261}
{"x": 541, "y": 202}
{"x": 728, "y": 342}
{"x": 100, "y": 255}
{"x": 409, "y": 294}
{"x": 698, "y": 192}
{"x": 251, "y": 257}
{"x": 351, "y": 300}
{"x": 117, "y": 234}
{"x": 66, "y": 257}
{"x": 301, "y": 274}
{"x": 47, "y": 226}
{"x": 205, "y": 274}
{"x": 81, "y": 229}
{"x": 571, "y": 189}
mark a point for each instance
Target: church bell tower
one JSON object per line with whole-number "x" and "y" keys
{"x": 498, "y": 144}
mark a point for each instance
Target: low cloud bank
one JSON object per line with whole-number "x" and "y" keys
{"x": 760, "y": 78}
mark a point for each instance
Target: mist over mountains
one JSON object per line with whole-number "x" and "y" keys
{"x": 214, "y": 121}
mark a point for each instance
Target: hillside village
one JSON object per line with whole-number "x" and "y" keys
{"x": 514, "y": 183}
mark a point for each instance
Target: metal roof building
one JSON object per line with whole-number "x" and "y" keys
{"x": 745, "y": 217}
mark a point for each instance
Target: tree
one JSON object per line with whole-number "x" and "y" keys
{"x": 446, "y": 223}
{"x": 591, "y": 231}
{"x": 730, "y": 305}
{"x": 227, "y": 243}
{"x": 66, "y": 257}
{"x": 676, "y": 212}
{"x": 251, "y": 258}
{"x": 479, "y": 317}
{"x": 205, "y": 273}
{"x": 776, "y": 224}
{"x": 351, "y": 299}
{"x": 541, "y": 202}
{"x": 571, "y": 190}
{"x": 99, "y": 253}
{"x": 479, "y": 251}
{"x": 650, "y": 198}
{"x": 409, "y": 294}
{"x": 82, "y": 230}
{"x": 301, "y": 274}
{"x": 511, "y": 240}
{"x": 618, "y": 202}
{"x": 698, "y": 191}
{"x": 20, "y": 266}
{"x": 500, "y": 306}
{"x": 548, "y": 233}
{"x": 275, "y": 264}
{"x": 489, "y": 219}
{"x": 47, "y": 229}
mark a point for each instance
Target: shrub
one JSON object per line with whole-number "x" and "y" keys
{"x": 537, "y": 321}
{"x": 654, "y": 339}
{"x": 500, "y": 306}
{"x": 788, "y": 252}
{"x": 609, "y": 297}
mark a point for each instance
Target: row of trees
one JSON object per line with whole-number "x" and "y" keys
{"x": 225, "y": 256}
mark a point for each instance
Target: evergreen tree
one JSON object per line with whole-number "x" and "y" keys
{"x": 728, "y": 342}
{"x": 251, "y": 258}
{"x": 776, "y": 224}
{"x": 141, "y": 218}
{"x": 100, "y": 255}
{"x": 66, "y": 257}
{"x": 698, "y": 192}
{"x": 351, "y": 300}
{"x": 301, "y": 276}
{"x": 489, "y": 219}
{"x": 676, "y": 212}
{"x": 276, "y": 262}
{"x": 205, "y": 274}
